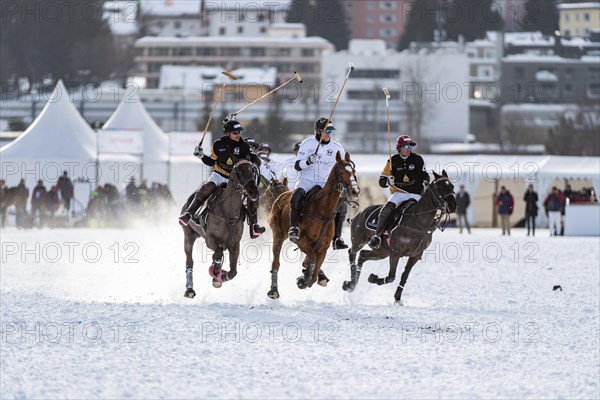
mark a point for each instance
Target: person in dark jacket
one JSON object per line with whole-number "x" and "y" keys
{"x": 531, "y": 209}
{"x": 505, "y": 204}
{"x": 554, "y": 204}
{"x": 222, "y": 158}
{"x": 405, "y": 174}
{"x": 38, "y": 196}
{"x": 462, "y": 203}
{"x": 66, "y": 190}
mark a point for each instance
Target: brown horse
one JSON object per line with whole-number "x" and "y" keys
{"x": 274, "y": 190}
{"x": 14, "y": 196}
{"x": 316, "y": 223}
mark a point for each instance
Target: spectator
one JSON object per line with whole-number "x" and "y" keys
{"x": 131, "y": 193}
{"x": 531, "y": 208}
{"x": 66, "y": 190}
{"x": 22, "y": 207}
{"x": 505, "y": 204}
{"x": 462, "y": 203}
{"x": 52, "y": 201}
{"x": 37, "y": 200}
{"x": 553, "y": 205}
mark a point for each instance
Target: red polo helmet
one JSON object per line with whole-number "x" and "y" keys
{"x": 404, "y": 140}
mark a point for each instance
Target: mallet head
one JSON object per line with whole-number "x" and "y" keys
{"x": 230, "y": 75}
{"x": 298, "y": 77}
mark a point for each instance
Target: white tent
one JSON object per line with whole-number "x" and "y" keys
{"x": 132, "y": 115}
{"x": 58, "y": 140}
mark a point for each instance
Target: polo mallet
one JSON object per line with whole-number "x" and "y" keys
{"x": 350, "y": 69}
{"x": 230, "y": 76}
{"x": 387, "y": 107}
{"x": 296, "y": 77}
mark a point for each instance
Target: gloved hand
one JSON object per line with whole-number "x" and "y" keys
{"x": 311, "y": 159}
{"x": 198, "y": 152}
{"x": 391, "y": 181}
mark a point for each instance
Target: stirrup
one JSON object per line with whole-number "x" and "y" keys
{"x": 184, "y": 219}
{"x": 339, "y": 244}
{"x": 375, "y": 242}
{"x": 294, "y": 234}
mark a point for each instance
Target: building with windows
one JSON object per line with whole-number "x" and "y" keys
{"x": 579, "y": 19}
{"x": 371, "y": 19}
{"x": 428, "y": 90}
{"x": 286, "y": 54}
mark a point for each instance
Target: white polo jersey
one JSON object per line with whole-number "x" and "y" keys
{"x": 317, "y": 173}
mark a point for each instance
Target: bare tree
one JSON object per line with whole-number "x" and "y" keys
{"x": 577, "y": 132}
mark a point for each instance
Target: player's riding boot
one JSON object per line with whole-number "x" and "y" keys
{"x": 338, "y": 242}
{"x": 384, "y": 215}
{"x": 296, "y": 200}
{"x": 197, "y": 202}
{"x": 255, "y": 229}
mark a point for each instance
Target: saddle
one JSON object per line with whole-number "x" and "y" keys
{"x": 395, "y": 218}
{"x": 201, "y": 214}
{"x": 308, "y": 198}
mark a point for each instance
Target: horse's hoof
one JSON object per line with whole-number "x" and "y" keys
{"x": 323, "y": 279}
{"x": 273, "y": 294}
{"x": 399, "y": 303}
{"x": 216, "y": 283}
{"x": 373, "y": 278}
{"x": 300, "y": 282}
{"x": 189, "y": 293}
{"x": 348, "y": 286}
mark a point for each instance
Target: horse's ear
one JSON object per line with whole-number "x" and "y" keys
{"x": 436, "y": 176}
{"x": 444, "y": 173}
{"x": 347, "y": 157}
{"x": 338, "y": 157}
{"x": 285, "y": 181}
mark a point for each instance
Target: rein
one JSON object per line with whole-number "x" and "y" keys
{"x": 440, "y": 205}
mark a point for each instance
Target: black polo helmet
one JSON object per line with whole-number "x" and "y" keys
{"x": 232, "y": 126}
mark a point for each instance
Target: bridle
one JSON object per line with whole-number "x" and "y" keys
{"x": 239, "y": 186}
{"x": 337, "y": 183}
{"x": 441, "y": 204}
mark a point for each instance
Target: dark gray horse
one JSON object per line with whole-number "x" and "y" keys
{"x": 410, "y": 236}
{"x": 222, "y": 225}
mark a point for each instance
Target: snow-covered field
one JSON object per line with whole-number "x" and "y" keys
{"x": 101, "y": 314}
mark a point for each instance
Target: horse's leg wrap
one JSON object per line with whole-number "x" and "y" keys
{"x": 274, "y": 273}
{"x": 310, "y": 268}
{"x": 189, "y": 277}
{"x": 216, "y": 272}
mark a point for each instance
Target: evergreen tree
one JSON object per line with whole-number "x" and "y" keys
{"x": 422, "y": 22}
{"x": 59, "y": 40}
{"x": 324, "y": 18}
{"x": 542, "y": 16}
{"x": 475, "y": 19}
{"x": 468, "y": 18}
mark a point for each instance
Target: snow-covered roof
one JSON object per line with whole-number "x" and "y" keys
{"x": 58, "y": 133}
{"x": 545, "y": 76}
{"x": 121, "y": 17}
{"x": 554, "y": 59}
{"x": 241, "y": 41}
{"x": 131, "y": 114}
{"x": 578, "y": 6}
{"x": 201, "y": 78}
{"x": 242, "y": 5}
{"x": 170, "y": 7}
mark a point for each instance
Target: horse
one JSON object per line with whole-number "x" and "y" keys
{"x": 410, "y": 233}
{"x": 316, "y": 223}
{"x": 221, "y": 225}
{"x": 16, "y": 196}
{"x": 272, "y": 192}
